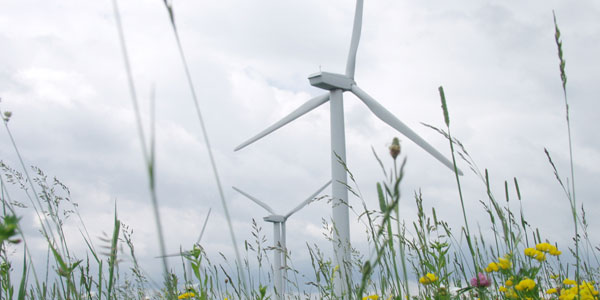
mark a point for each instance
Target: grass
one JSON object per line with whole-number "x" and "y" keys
{"x": 425, "y": 259}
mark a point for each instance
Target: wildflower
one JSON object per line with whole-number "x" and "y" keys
{"x": 336, "y": 269}
{"x": 550, "y": 249}
{"x": 395, "y": 148}
{"x": 569, "y": 282}
{"x": 480, "y": 280}
{"x": 504, "y": 263}
{"x": 551, "y": 291}
{"x": 509, "y": 282}
{"x": 541, "y": 257}
{"x": 428, "y": 278}
{"x": 586, "y": 291}
{"x": 509, "y": 293}
{"x": 372, "y": 297}
{"x": 525, "y": 285}
{"x": 492, "y": 267}
{"x": 530, "y": 252}
{"x": 187, "y": 295}
{"x": 534, "y": 253}
{"x": 588, "y": 286}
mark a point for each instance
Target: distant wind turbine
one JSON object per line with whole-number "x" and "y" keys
{"x": 279, "y": 236}
{"x": 337, "y": 84}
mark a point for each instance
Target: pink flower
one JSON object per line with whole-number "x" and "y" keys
{"x": 483, "y": 281}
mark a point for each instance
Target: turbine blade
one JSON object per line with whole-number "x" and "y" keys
{"x": 204, "y": 226}
{"x": 391, "y": 120}
{"x": 356, "y": 28}
{"x": 307, "y": 201}
{"x": 303, "y": 109}
{"x": 172, "y": 255}
{"x": 198, "y": 242}
{"x": 262, "y": 204}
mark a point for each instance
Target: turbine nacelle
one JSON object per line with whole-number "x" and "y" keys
{"x": 331, "y": 81}
{"x": 274, "y": 219}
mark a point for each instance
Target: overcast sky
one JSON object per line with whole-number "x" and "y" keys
{"x": 62, "y": 77}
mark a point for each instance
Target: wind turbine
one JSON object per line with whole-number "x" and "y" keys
{"x": 337, "y": 84}
{"x": 279, "y": 236}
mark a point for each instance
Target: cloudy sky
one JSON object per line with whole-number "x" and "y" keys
{"x": 62, "y": 77}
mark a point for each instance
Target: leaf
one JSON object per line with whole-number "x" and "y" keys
{"x": 22, "y": 290}
{"x": 62, "y": 265}
{"x": 382, "y": 205}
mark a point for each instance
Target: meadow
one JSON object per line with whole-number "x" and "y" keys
{"x": 425, "y": 259}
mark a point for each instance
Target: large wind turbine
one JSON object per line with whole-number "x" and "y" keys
{"x": 337, "y": 84}
{"x": 279, "y": 236}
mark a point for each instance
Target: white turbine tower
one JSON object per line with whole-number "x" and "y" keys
{"x": 279, "y": 237}
{"x": 337, "y": 84}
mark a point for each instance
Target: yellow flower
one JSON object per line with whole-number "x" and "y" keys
{"x": 492, "y": 267}
{"x": 504, "y": 263}
{"x": 186, "y": 295}
{"x": 533, "y": 253}
{"x": 372, "y": 297}
{"x": 551, "y": 291}
{"x": 586, "y": 291}
{"x": 336, "y": 269}
{"x": 530, "y": 252}
{"x": 509, "y": 282}
{"x": 510, "y": 293}
{"x": 589, "y": 286}
{"x": 550, "y": 249}
{"x": 525, "y": 285}
{"x": 569, "y": 282}
{"x": 541, "y": 257}
{"x": 428, "y": 278}
{"x": 543, "y": 247}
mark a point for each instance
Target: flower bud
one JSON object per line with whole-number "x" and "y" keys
{"x": 395, "y": 148}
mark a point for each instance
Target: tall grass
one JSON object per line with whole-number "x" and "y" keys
{"x": 425, "y": 259}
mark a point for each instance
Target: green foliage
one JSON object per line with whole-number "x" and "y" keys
{"x": 8, "y": 229}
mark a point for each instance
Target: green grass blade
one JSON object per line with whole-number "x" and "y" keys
{"x": 23, "y": 284}
{"x": 113, "y": 256}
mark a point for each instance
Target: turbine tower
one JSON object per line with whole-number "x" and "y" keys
{"x": 279, "y": 238}
{"x": 336, "y": 84}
